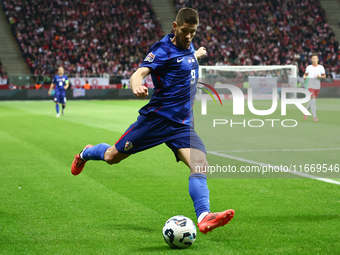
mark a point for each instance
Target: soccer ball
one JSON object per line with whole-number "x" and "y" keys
{"x": 179, "y": 232}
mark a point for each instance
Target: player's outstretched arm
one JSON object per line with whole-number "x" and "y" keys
{"x": 50, "y": 90}
{"x": 136, "y": 82}
{"x": 66, "y": 84}
{"x": 201, "y": 52}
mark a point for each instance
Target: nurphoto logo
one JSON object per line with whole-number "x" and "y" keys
{"x": 238, "y": 105}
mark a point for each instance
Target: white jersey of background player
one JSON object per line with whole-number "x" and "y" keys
{"x": 312, "y": 75}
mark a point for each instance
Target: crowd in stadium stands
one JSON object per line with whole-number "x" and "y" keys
{"x": 268, "y": 32}
{"x": 87, "y": 37}
{"x": 3, "y": 74}
{"x": 97, "y": 38}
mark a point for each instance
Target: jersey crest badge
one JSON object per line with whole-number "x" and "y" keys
{"x": 150, "y": 57}
{"x": 128, "y": 146}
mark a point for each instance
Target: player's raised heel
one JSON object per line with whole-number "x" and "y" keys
{"x": 78, "y": 164}
{"x": 215, "y": 220}
{"x": 305, "y": 117}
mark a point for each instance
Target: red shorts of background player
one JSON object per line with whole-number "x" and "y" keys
{"x": 314, "y": 92}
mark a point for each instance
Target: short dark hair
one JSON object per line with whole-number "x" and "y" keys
{"x": 315, "y": 55}
{"x": 187, "y": 15}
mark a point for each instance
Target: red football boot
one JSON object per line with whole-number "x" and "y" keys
{"x": 215, "y": 220}
{"x": 78, "y": 164}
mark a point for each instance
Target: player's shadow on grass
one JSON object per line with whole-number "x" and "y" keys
{"x": 132, "y": 227}
{"x": 156, "y": 249}
{"x": 297, "y": 218}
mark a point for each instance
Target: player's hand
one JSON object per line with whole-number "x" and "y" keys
{"x": 141, "y": 91}
{"x": 201, "y": 52}
{"x": 49, "y": 92}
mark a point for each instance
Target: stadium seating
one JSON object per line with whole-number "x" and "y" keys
{"x": 96, "y": 38}
{"x": 268, "y": 32}
{"x": 87, "y": 37}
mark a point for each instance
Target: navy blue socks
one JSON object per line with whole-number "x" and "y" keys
{"x": 199, "y": 192}
{"x": 95, "y": 153}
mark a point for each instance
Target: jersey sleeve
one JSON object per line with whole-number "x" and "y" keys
{"x": 54, "y": 80}
{"x": 156, "y": 58}
{"x": 323, "y": 71}
{"x": 307, "y": 70}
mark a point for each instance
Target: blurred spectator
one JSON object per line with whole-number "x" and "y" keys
{"x": 87, "y": 85}
{"x": 268, "y": 32}
{"x": 11, "y": 86}
{"x": 87, "y": 37}
{"x": 105, "y": 37}
{"x": 3, "y": 74}
{"x": 37, "y": 86}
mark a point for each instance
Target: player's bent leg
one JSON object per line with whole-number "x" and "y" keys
{"x": 312, "y": 92}
{"x": 198, "y": 188}
{"x": 313, "y": 108}
{"x": 194, "y": 159}
{"x": 57, "y": 109}
{"x": 63, "y": 107}
{"x": 199, "y": 192}
{"x": 113, "y": 156}
{"x": 102, "y": 151}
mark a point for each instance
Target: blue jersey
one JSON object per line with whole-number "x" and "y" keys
{"x": 59, "y": 82}
{"x": 174, "y": 75}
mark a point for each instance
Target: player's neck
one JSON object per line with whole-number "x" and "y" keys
{"x": 173, "y": 40}
{"x": 315, "y": 65}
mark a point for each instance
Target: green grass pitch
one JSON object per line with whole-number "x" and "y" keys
{"x": 121, "y": 209}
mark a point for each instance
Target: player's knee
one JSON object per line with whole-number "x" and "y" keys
{"x": 109, "y": 155}
{"x": 112, "y": 156}
{"x": 199, "y": 165}
{"x": 111, "y": 159}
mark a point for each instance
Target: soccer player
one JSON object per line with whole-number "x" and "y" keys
{"x": 312, "y": 75}
{"x": 168, "y": 117}
{"x": 60, "y": 81}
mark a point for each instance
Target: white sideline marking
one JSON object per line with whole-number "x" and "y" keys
{"x": 264, "y": 164}
{"x": 317, "y": 149}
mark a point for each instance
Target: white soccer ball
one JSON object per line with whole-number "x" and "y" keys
{"x": 179, "y": 232}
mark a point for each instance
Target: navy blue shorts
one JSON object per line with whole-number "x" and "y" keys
{"x": 60, "y": 97}
{"x": 152, "y": 129}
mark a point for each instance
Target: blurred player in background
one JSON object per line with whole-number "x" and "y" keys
{"x": 60, "y": 81}
{"x": 312, "y": 76}
{"x": 168, "y": 117}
